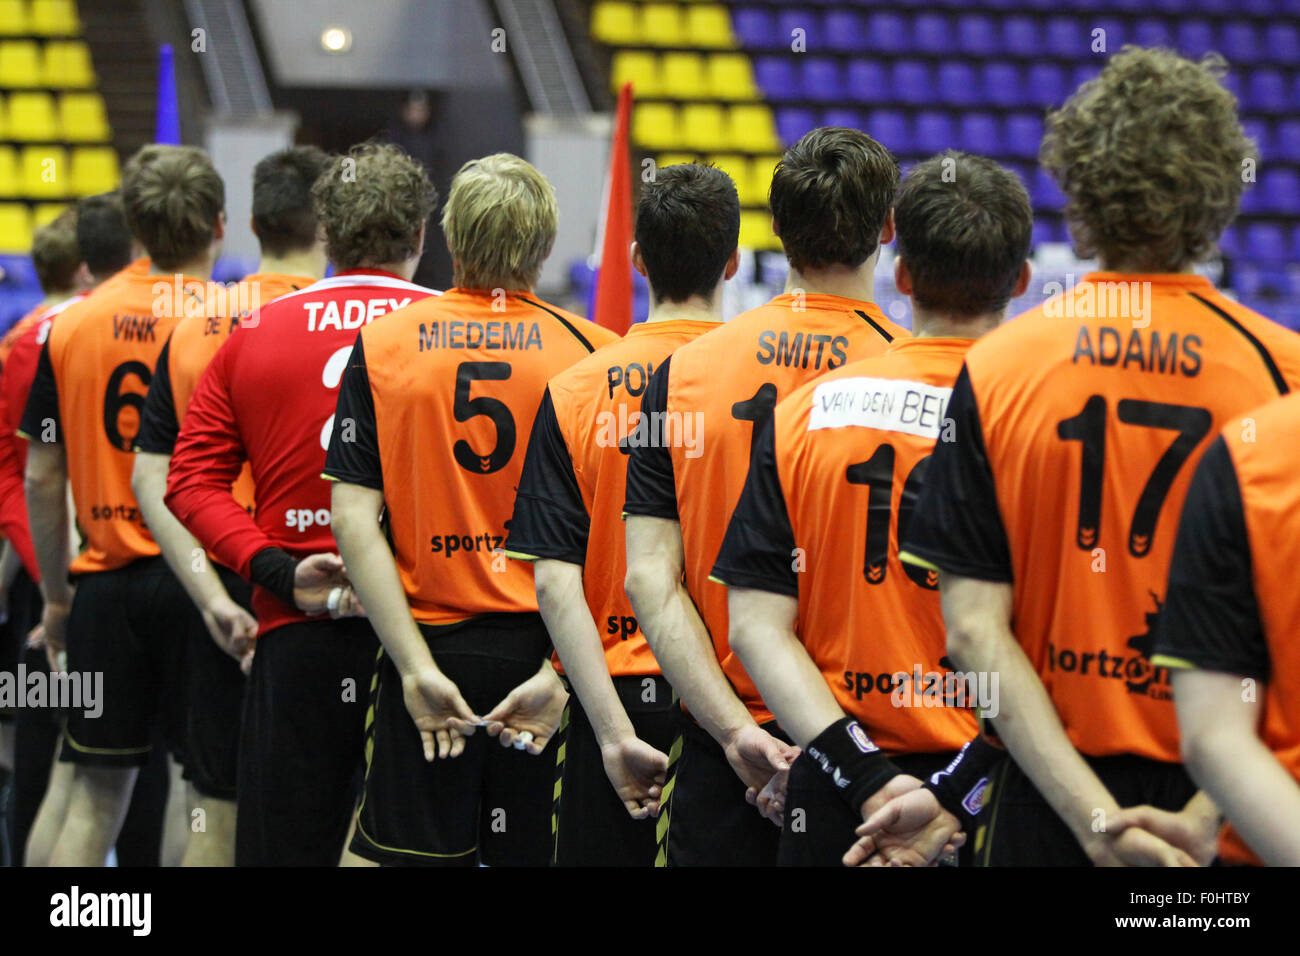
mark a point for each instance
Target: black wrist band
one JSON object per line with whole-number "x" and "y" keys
{"x": 857, "y": 768}
{"x": 964, "y": 786}
{"x": 273, "y": 569}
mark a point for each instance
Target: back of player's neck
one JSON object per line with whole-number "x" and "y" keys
{"x": 693, "y": 309}
{"x": 293, "y": 264}
{"x": 196, "y": 269}
{"x": 935, "y": 326}
{"x": 858, "y": 284}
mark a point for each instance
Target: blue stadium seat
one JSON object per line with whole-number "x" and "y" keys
{"x": 845, "y": 30}
{"x": 933, "y": 131}
{"x": 1045, "y": 85}
{"x": 1152, "y": 32}
{"x": 1067, "y": 37}
{"x": 1282, "y": 41}
{"x": 1024, "y": 132}
{"x": 800, "y": 18}
{"x": 823, "y": 79}
{"x": 1003, "y": 84}
{"x": 793, "y": 122}
{"x": 1230, "y": 243}
{"x": 1239, "y": 42}
{"x": 18, "y": 273}
{"x": 1259, "y": 130}
{"x": 1195, "y": 37}
{"x": 933, "y": 33}
{"x": 1265, "y": 242}
{"x": 911, "y": 82}
{"x": 1267, "y": 91}
{"x": 1083, "y": 74}
{"x": 1280, "y": 188}
{"x": 755, "y": 28}
{"x": 1117, "y": 33}
{"x": 1046, "y": 195}
{"x": 979, "y": 133}
{"x": 887, "y": 33}
{"x": 867, "y": 81}
{"x": 776, "y": 77}
{"x": 1286, "y": 144}
{"x": 1295, "y": 243}
{"x": 977, "y": 35}
{"x": 890, "y": 128}
{"x": 840, "y": 116}
{"x": 957, "y": 83}
{"x": 1047, "y": 230}
{"x": 1018, "y": 33}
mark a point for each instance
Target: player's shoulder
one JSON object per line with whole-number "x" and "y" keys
{"x": 587, "y": 333}
{"x": 1278, "y": 346}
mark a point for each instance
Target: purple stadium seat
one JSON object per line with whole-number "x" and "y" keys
{"x": 777, "y": 78}
{"x": 1195, "y": 37}
{"x": 1019, "y": 34}
{"x": 823, "y": 80}
{"x": 887, "y": 33}
{"x": 1045, "y": 85}
{"x": 890, "y": 129}
{"x": 933, "y": 33}
{"x": 800, "y": 18}
{"x": 933, "y": 131}
{"x": 911, "y": 82}
{"x": 1046, "y": 195}
{"x": 1024, "y": 131}
{"x": 957, "y": 83}
{"x": 1117, "y": 33}
{"x": 755, "y": 28}
{"x": 866, "y": 81}
{"x": 18, "y": 272}
{"x": 1230, "y": 242}
{"x": 979, "y": 133}
{"x": 1262, "y": 7}
{"x": 1264, "y": 242}
{"x": 1267, "y": 90}
{"x": 1282, "y": 41}
{"x": 1152, "y": 32}
{"x": 1203, "y": 6}
{"x": 1003, "y": 84}
{"x": 792, "y": 123}
{"x": 1260, "y": 131}
{"x": 977, "y": 35}
{"x": 1239, "y": 42}
{"x": 1082, "y": 75}
{"x": 1280, "y": 188}
{"x": 1286, "y": 144}
{"x": 1046, "y": 230}
{"x": 1295, "y": 243}
{"x": 1067, "y": 37}
{"x": 839, "y": 116}
{"x": 845, "y": 30}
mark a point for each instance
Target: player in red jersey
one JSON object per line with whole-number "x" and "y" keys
{"x": 267, "y": 398}
{"x": 293, "y": 257}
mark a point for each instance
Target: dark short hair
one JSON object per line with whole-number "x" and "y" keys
{"x": 102, "y": 235}
{"x": 830, "y": 197}
{"x": 963, "y": 232}
{"x": 687, "y": 225}
{"x": 173, "y": 198}
{"x": 54, "y": 253}
{"x": 284, "y": 215}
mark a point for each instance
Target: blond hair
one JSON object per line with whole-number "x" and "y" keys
{"x": 372, "y": 204}
{"x": 172, "y": 197}
{"x": 500, "y": 223}
{"x": 1150, "y": 156}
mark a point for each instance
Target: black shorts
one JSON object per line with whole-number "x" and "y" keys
{"x": 127, "y": 634}
{"x": 491, "y": 804}
{"x": 24, "y": 614}
{"x": 1021, "y": 829}
{"x": 819, "y": 825}
{"x": 214, "y": 703}
{"x": 706, "y": 821}
{"x": 301, "y": 743}
{"x": 592, "y": 827}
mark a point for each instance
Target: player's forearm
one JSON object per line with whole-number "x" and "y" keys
{"x": 763, "y": 637}
{"x": 198, "y": 494}
{"x": 563, "y": 605}
{"x": 180, "y": 548}
{"x": 373, "y": 573}
{"x": 47, "y": 515}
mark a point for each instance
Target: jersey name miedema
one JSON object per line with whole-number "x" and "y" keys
{"x": 704, "y": 404}
{"x": 575, "y": 475}
{"x": 267, "y": 398}
{"x": 90, "y": 386}
{"x": 184, "y": 358}
{"x": 20, "y": 351}
{"x": 441, "y": 396}
{"x": 1077, "y": 428}
{"x": 834, "y": 477}
{"x": 1233, "y": 603}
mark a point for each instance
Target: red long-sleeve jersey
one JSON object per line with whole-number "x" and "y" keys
{"x": 268, "y": 398}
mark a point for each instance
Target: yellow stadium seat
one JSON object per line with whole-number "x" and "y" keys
{"x": 654, "y": 126}
{"x": 731, "y": 77}
{"x": 638, "y": 68}
{"x": 47, "y": 212}
{"x": 67, "y": 65}
{"x": 760, "y": 178}
{"x": 661, "y": 25}
{"x": 681, "y": 76}
{"x": 702, "y": 126}
{"x": 709, "y": 26}
{"x": 734, "y": 166}
{"x": 55, "y": 18}
{"x": 45, "y": 172}
{"x": 674, "y": 159}
{"x": 31, "y": 117}
{"x": 756, "y": 230}
{"x": 20, "y": 64}
{"x": 752, "y": 129}
{"x": 94, "y": 170}
{"x": 15, "y": 229}
{"x": 13, "y": 18}
{"x": 4, "y": 122}
{"x": 83, "y": 118}
{"x": 8, "y": 172}
{"x": 614, "y": 22}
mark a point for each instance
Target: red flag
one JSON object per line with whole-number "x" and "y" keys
{"x": 613, "y": 306}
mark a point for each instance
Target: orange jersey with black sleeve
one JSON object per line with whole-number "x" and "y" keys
{"x": 574, "y": 477}
{"x": 439, "y": 395}
{"x": 1077, "y": 427}
{"x": 187, "y": 353}
{"x": 1233, "y": 604}
{"x": 833, "y": 480}
{"x": 702, "y": 408}
{"x": 88, "y": 393}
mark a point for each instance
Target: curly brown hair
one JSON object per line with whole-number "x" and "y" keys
{"x": 372, "y": 203}
{"x": 1150, "y": 156}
